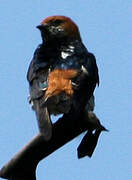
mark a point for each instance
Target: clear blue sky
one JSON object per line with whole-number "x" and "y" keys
{"x": 106, "y": 29}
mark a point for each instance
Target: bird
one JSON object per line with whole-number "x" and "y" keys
{"x": 90, "y": 139}
{"x": 62, "y": 74}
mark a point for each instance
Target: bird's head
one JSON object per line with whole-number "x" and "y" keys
{"x": 58, "y": 28}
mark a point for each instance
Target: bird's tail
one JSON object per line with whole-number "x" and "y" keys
{"x": 44, "y": 121}
{"x": 88, "y": 144}
{"x": 89, "y": 141}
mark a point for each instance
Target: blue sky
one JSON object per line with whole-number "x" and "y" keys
{"x": 106, "y": 30}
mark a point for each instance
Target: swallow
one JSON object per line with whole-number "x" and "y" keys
{"x": 62, "y": 75}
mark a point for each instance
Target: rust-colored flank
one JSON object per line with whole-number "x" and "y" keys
{"x": 60, "y": 81}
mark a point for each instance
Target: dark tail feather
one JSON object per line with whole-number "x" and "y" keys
{"x": 88, "y": 144}
{"x": 44, "y": 122}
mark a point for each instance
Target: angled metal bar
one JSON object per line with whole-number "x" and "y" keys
{"x": 23, "y": 165}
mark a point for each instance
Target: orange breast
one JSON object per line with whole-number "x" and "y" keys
{"x": 60, "y": 81}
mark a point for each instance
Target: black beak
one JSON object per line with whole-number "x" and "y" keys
{"x": 42, "y": 26}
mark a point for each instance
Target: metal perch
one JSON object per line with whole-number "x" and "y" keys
{"x": 23, "y": 165}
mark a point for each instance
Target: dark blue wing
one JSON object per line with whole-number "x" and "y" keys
{"x": 39, "y": 61}
{"x": 37, "y": 76}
